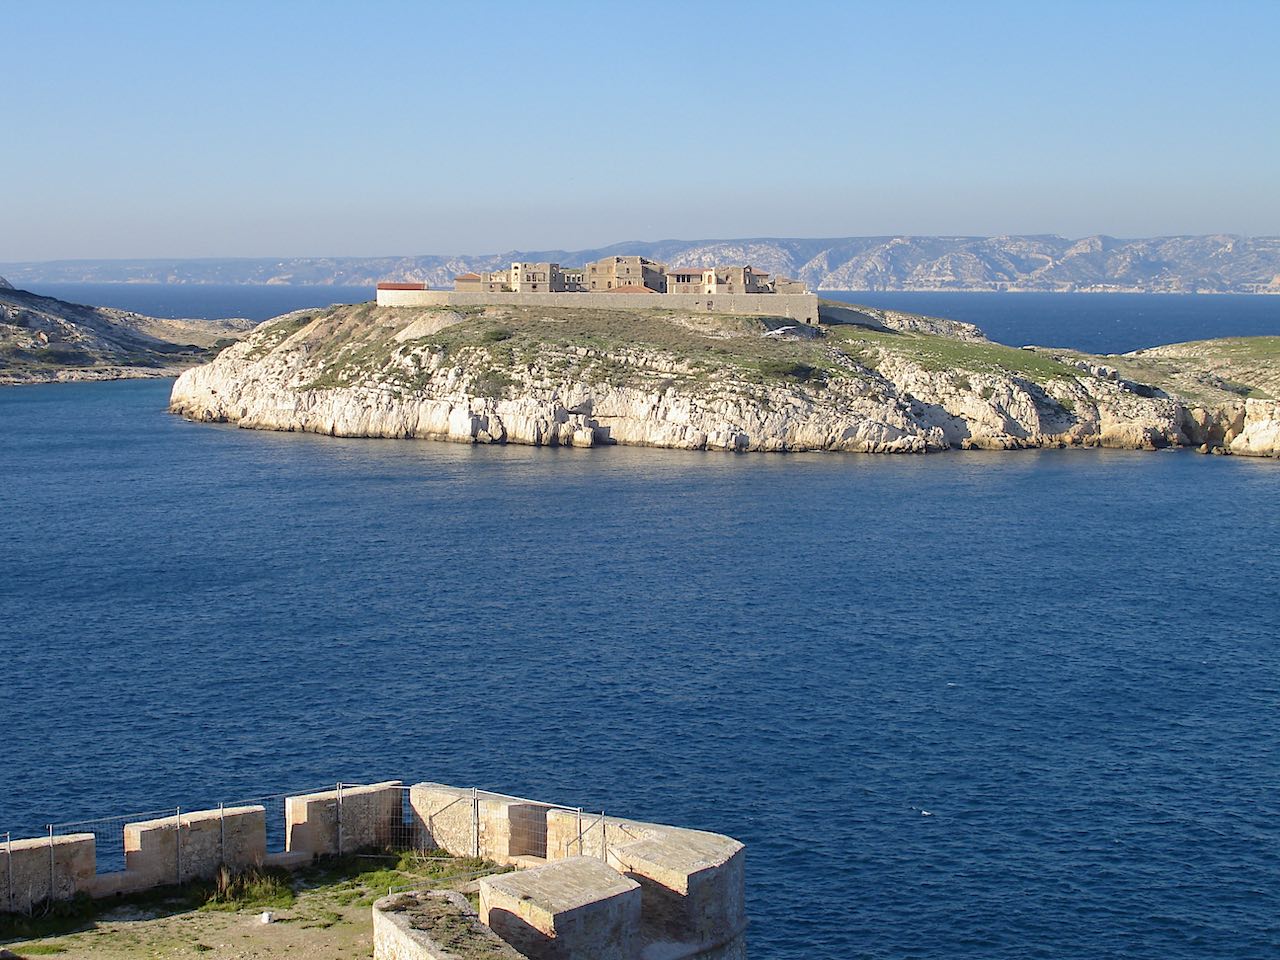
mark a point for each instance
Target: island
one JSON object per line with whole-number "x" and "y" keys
{"x": 44, "y": 340}
{"x": 695, "y": 371}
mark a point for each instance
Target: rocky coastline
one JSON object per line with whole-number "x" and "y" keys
{"x": 46, "y": 340}
{"x": 869, "y": 380}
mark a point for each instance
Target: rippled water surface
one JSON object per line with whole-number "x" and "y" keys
{"x": 969, "y": 705}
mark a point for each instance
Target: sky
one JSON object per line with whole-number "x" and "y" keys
{"x": 265, "y": 129}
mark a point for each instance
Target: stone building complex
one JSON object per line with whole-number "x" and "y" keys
{"x": 619, "y": 282}
{"x": 624, "y": 275}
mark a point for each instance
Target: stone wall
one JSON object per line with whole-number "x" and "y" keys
{"x": 692, "y": 883}
{"x": 591, "y": 887}
{"x": 346, "y": 820}
{"x": 44, "y": 869}
{"x": 802, "y": 307}
{"x": 489, "y": 825}
{"x": 574, "y": 909}
{"x": 405, "y": 928}
{"x": 194, "y": 845}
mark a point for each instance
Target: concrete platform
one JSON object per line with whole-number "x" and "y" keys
{"x": 573, "y": 909}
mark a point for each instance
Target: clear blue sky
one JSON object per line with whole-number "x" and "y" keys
{"x": 304, "y": 129}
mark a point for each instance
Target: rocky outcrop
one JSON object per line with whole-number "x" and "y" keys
{"x": 5, "y": 284}
{"x": 43, "y": 339}
{"x": 378, "y": 377}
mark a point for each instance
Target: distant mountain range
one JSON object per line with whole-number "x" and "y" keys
{"x": 1192, "y": 264}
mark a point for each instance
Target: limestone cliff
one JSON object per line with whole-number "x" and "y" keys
{"x": 867, "y": 380}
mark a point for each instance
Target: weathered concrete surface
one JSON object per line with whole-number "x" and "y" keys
{"x": 436, "y": 925}
{"x": 344, "y": 821}
{"x": 692, "y": 881}
{"x": 494, "y": 826}
{"x": 45, "y": 869}
{"x": 444, "y": 817}
{"x": 692, "y": 888}
{"x": 570, "y": 834}
{"x": 157, "y": 852}
{"x": 574, "y": 909}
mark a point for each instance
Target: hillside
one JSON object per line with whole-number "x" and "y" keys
{"x": 868, "y": 380}
{"x": 1189, "y": 264}
{"x": 44, "y": 339}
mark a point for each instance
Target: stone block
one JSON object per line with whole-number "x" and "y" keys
{"x": 692, "y": 886}
{"x": 435, "y": 925}
{"x": 573, "y": 909}
{"x": 444, "y": 817}
{"x": 490, "y": 825}
{"x": 590, "y": 835}
{"x": 346, "y": 820}
{"x": 45, "y": 869}
{"x": 158, "y": 851}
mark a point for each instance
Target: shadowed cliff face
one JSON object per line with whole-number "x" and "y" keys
{"x": 42, "y": 338}
{"x": 869, "y": 380}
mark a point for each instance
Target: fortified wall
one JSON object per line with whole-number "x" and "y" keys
{"x": 802, "y": 307}
{"x": 584, "y": 886}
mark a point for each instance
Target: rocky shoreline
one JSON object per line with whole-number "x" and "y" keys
{"x": 46, "y": 340}
{"x": 883, "y": 383}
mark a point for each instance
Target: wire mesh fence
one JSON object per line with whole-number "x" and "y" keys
{"x": 177, "y": 844}
{"x": 108, "y": 834}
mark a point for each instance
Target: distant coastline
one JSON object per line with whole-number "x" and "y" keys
{"x": 1025, "y": 264}
{"x": 1103, "y": 291}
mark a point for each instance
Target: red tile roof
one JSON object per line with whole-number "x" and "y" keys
{"x": 631, "y": 288}
{"x": 401, "y": 286}
{"x": 467, "y": 276}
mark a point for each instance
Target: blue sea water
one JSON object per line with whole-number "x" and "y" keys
{"x": 207, "y": 301}
{"x": 971, "y": 705}
{"x": 1094, "y": 322}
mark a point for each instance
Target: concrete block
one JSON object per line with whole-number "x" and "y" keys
{"x": 435, "y": 925}
{"x": 443, "y": 818}
{"x": 692, "y": 886}
{"x": 157, "y": 852}
{"x": 355, "y": 818}
{"x": 45, "y": 869}
{"x": 588, "y": 835}
{"x": 573, "y": 909}
{"x": 494, "y": 826}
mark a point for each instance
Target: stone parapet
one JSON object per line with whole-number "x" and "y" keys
{"x": 587, "y": 887}
{"x": 477, "y": 823}
{"x": 191, "y": 846}
{"x": 344, "y": 820}
{"x": 692, "y": 882}
{"x": 692, "y": 886}
{"x": 33, "y": 872}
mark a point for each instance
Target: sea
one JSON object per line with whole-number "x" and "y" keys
{"x": 969, "y": 705}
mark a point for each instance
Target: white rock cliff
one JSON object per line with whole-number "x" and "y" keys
{"x": 281, "y": 378}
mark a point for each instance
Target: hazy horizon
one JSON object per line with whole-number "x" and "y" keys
{"x": 479, "y": 254}
{"x": 236, "y": 131}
